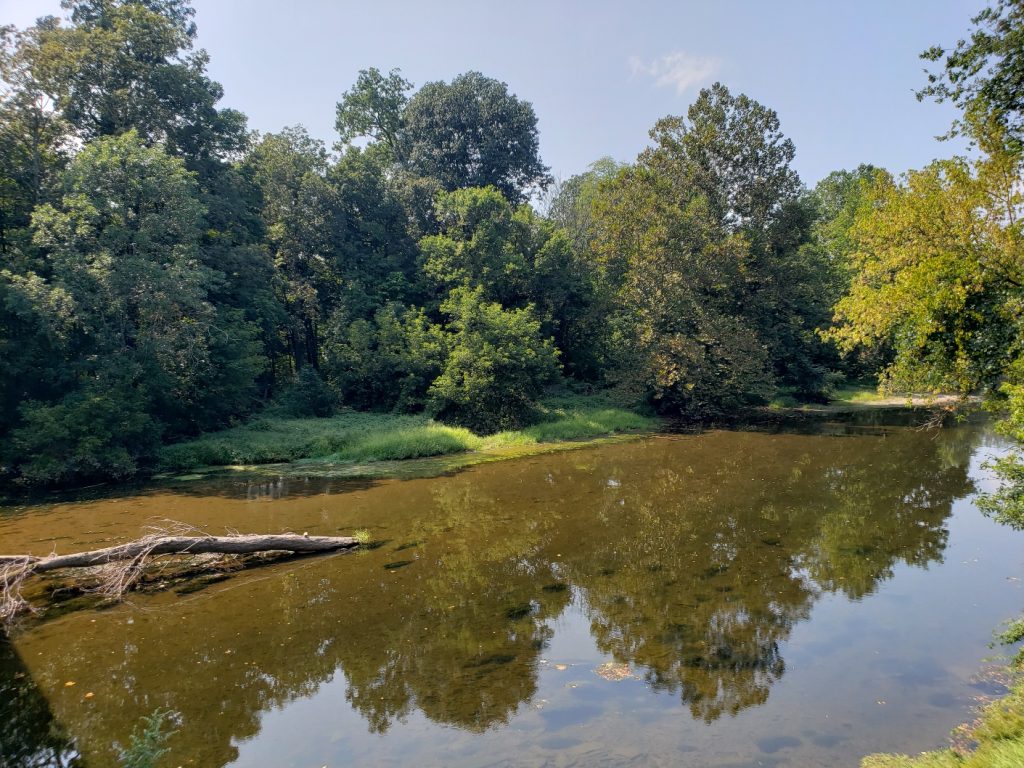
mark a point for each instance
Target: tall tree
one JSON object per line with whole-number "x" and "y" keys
{"x": 704, "y": 242}
{"x": 939, "y": 270}
{"x": 984, "y": 74}
{"x": 516, "y": 258}
{"x": 939, "y": 276}
{"x": 299, "y": 210}
{"x": 732, "y": 149}
{"x": 138, "y": 344}
{"x": 32, "y": 144}
{"x": 679, "y": 337}
{"x": 571, "y": 202}
{"x": 837, "y": 200}
{"x": 472, "y": 132}
{"x": 130, "y": 64}
{"x": 374, "y": 108}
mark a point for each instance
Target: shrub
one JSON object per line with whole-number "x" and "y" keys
{"x": 497, "y": 367}
{"x": 308, "y": 395}
{"x": 100, "y": 430}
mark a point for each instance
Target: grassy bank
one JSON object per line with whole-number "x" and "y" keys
{"x": 363, "y": 437}
{"x": 853, "y": 393}
{"x": 857, "y": 396}
{"x": 862, "y": 394}
{"x": 998, "y": 733}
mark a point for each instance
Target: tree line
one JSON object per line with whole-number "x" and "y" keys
{"x": 165, "y": 271}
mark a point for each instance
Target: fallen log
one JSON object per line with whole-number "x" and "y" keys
{"x": 183, "y": 545}
{"x": 129, "y": 560}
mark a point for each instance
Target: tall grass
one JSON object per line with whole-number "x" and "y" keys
{"x": 410, "y": 443}
{"x": 361, "y": 437}
{"x": 858, "y": 394}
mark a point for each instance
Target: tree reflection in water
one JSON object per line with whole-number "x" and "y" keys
{"x": 692, "y": 558}
{"x": 29, "y": 735}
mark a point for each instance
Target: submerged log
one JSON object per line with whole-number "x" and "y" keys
{"x": 183, "y": 545}
{"x": 126, "y": 563}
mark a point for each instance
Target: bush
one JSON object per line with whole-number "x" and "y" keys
{"x": 388, "y": 363}
{"x": 308, "y": 395}
{"x": 101, "y": 430}
{"x": 497, "y": 367}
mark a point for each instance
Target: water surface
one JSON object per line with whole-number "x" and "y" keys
{"x": 732, "y": 598}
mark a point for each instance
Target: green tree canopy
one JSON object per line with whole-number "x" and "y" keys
{"x": 938, "y": 271}
{"x": 374, "y": 108}
{"x": 128, "y": 64}
{"x": 133, "y": 332}
{"x": 702, "y": 244}
{"x": 984, "y": 73}
{"x": 472, "y": 132}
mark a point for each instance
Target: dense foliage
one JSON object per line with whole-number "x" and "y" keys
{"x": 937, "y": 256}
{"x": 938, "y": 277}
{"x": 166, "y": 272}
{"x": 984, "y": 73}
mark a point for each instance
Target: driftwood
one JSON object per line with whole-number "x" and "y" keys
{"x": 183, "y": 545}
{"x": 126, "y": 562}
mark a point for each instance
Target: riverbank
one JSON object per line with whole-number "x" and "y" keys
{"x": 358, "y": 438}
{"x": 863, "y": 396}
{"x": 385, "y": 444}
{"x": 998, "y": 733}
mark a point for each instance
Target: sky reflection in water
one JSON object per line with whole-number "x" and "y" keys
{"x": 734, "y": 598}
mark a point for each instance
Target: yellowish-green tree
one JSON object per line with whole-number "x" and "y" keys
{"x": 938, "y": 273}
{"x": 938, "y": 270}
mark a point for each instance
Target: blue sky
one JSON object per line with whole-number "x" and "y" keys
{"x": 841, "y": 75}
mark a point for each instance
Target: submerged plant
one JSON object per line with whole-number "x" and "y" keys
{"x": 362, "y": 536}
{"x": 149, "y": 743}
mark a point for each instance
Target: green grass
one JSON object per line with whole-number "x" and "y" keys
{"x": 782, "y": 401}
{"x": 412, "y": 442}
{"x": 363, "y": 437}
{"x": 852, "y": 393}
{"x": 269, "y": 439}
{"x": 860, "y": 394}
{"x": 577, "y": 417}
{"x": 999, "y": 735}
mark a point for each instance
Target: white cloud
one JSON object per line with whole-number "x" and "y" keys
{"x": 679, "y": 69}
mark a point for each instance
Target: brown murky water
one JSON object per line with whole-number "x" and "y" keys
{"x": 734, "y": 598}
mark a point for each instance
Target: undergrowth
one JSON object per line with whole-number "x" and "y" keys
{"x": 362, "y": 437}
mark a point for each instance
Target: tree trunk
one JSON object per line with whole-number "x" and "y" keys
{"x": 183, "y": 545}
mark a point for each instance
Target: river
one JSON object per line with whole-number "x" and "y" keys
{"x": 764, "y": 597}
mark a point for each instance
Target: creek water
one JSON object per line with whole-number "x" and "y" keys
{"x": 796, "y": 596}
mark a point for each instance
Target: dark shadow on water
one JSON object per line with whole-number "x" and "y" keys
{"x": 30, "y": 737}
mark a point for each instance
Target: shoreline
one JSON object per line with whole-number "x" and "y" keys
{"x": 369, "y": 445}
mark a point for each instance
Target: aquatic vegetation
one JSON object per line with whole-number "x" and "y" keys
{"x": 148, "y": 745}
{"x": 362, "y": 536}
